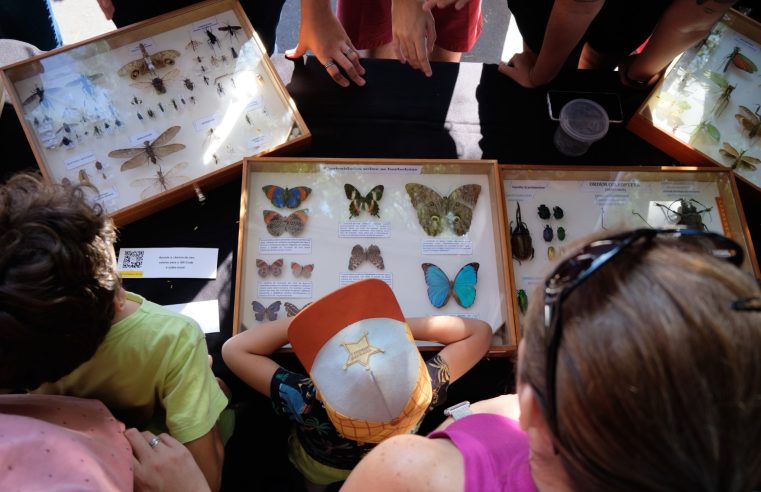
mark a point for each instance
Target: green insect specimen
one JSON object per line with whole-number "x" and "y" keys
{"x": 705, "y": 131}
{"x": 522, "y": 301}
{"x": 561, "y": 234}
{"x": 723, "y": 100}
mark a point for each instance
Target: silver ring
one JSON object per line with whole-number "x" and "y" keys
{"x": 155, "y": 440}
{"x": 329, "y": 64}
{"x": 348, "y": 52}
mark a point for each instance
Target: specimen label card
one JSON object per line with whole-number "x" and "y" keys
{"x": 168, "y": 262}
{"x": 147, "y": 43}
{"x": 146, "y": 136}
{"x": 370, "y": 169}
{"x": 346, "y": 278}
{"x": 446, "y": 247}
{"x": 366, "y": 228}
{"x": 258, "y": 142}
{"x": 255, "y": 103}
{"x": 284, "y": 288}
{"x": 292, "y": 245}
{"x": 107, "y": 196}
{"x": 204, "y": 24}
{"x": 523, "y": 190}
{"x": 205, "y": 313}
{"x": 79, "y": 161}
{"x": 459, "y": 315}
{"x": 206, "y": 122}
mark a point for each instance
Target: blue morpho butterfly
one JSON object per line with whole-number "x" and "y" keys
{"x": 286, "y": 197}
{"x": 440, "y": 288}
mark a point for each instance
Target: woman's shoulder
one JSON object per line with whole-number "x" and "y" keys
{"x": 409, "y": 462}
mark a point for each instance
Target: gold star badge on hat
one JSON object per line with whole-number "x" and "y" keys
{"x": 360, "y": 351}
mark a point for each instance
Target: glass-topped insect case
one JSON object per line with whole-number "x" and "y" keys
{"x": 706, "y": 109}
{"x": 430, "y": 229}
{"x": 548, "y": 208}
{"x": 148, "y": 112}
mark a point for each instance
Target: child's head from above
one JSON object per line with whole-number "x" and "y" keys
{"x": 359, "y": 351}
{"x": 658, "y": 375}
{"x": 58, "y": 280}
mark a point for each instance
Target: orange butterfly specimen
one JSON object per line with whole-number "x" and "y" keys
{"x": 302, "y": 270}
{"x": 293, "y": 224}
{"x": 276, "y": 268}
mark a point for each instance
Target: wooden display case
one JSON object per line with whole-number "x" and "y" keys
{"x": 706, "y": 110}
{"x": 595, "y": 199}
{"x": 152, "y": 112}
{"x": 380, "y": 233}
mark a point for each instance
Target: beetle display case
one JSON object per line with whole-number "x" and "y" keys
{"x": 548, "y": 208}
{"x": 705, "y": 111}
{"x": 151, "y": 112}
{"x": 430, "y": 229}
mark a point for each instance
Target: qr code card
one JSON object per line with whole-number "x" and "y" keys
{"x": 168, "y": 262}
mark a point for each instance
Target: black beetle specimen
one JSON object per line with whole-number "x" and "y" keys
{"x": 547, "y": 233}
{"x": 557, "y": 212}
{"x": 544, "y": 212}
{"x": 561, "y": 233}
{"x": 520, "y": 238}
{"x": 683, "y": 212}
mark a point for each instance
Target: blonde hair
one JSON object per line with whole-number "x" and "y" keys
{"x": 658, "y": 377}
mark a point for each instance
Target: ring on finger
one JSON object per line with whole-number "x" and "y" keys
{"x": 329, "y": 64}
{"x": 348, "y": 51}
{"x": 155, "y": 440}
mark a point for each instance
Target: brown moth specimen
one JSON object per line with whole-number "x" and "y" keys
{"x": 152, "y": 151}
{"x": 148, "y": 63}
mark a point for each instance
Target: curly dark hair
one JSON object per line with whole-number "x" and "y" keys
{"x": 58, "y": 280}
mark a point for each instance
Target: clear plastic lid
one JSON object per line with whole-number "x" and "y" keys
{"x": 584, "y": 120}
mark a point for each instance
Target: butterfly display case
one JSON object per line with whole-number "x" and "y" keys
{"x": 548, "y": 208}
{"x": 707, "y": 108}
{"x": 151, "y": 113}
{"x": 429, "y": 229}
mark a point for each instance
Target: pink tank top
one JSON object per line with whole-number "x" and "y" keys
{"x": 495, "y": 452}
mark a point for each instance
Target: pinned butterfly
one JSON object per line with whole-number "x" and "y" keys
{"x": 440, "y": 288}
{"x": 293, "y": 223}
{"x": 434, "y": 210}
{"x": 286, "y": 197}
{"x": 270, "y": 311}
{"x": 359, "y": 255}
{"x": 299, "y": 270}
{"x": 265, "y": 269}
{"x": 361, "y": 202}
{"x": 292, "y": 310}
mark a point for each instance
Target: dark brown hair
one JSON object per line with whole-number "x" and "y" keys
{"x": 658, "y": 378}
{"x": 57, "y": 280}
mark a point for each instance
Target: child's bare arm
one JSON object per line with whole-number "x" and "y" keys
{"x": 466, "y": 340}
{"x": 209, "y": 453}
{"x": 247, "y": 354}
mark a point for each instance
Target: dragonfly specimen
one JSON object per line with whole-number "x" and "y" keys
{"x": 148, "y": 63}
{"x": 749, "y": 120}
{"x": 231, "y": 31}
{"x": 740, "y": 61}
{"x": 152, "y": 151}
{"x": 162, "y": 181}
{"x": 741, "y": 159}
{"x": 723, "y": 100}
{"x": 158, "y": 83}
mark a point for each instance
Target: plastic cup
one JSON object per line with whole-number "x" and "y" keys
{"x": 582, "y": 122}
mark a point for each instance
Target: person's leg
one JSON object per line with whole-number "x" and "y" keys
{"x": 265, "y": 16}
{"x": 456, "y": 31}
{"x": 368, "y": 25}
